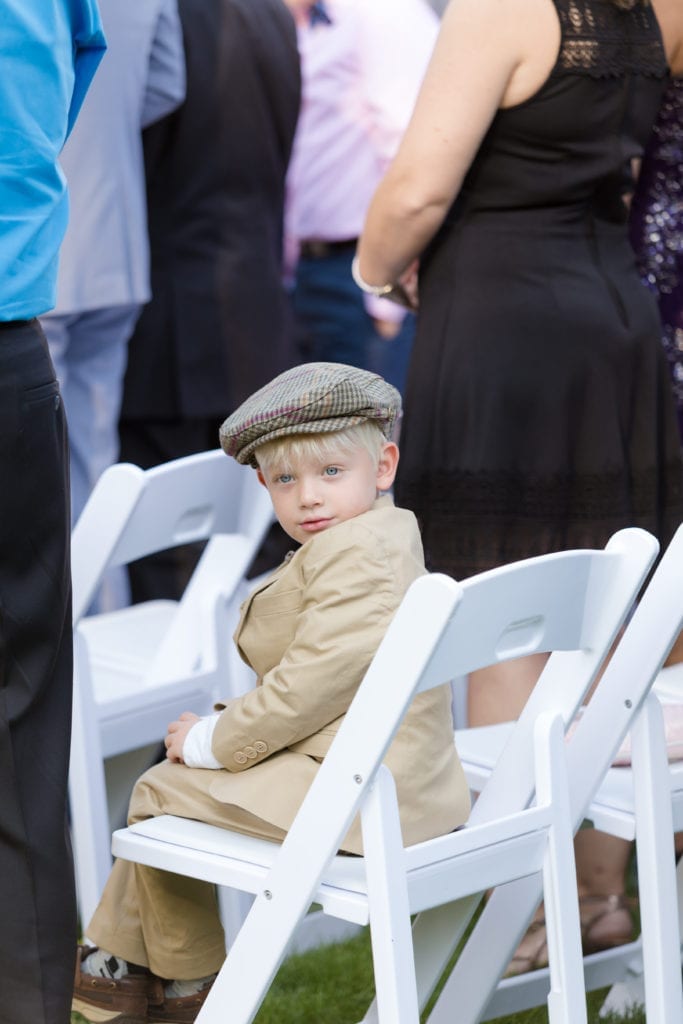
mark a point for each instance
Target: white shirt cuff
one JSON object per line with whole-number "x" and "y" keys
{"x": 197, "y": 746}
{"x": 384, "y": 309}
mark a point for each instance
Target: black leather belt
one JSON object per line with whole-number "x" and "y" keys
{"x": 6, "y": 325}
{"x": 318, "y": 249}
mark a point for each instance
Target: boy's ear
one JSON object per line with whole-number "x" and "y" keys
{"x": 387, "y": 466}
{"x": 261, "y": 478}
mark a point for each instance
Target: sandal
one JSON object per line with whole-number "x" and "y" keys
{"x": 596, "y": 911}
{"x": 532, "y": 952}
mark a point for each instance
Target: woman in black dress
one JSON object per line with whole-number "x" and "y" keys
{"x": 539, "y": 413}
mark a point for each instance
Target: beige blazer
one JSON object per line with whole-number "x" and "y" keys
{"x": 310, "y": 632}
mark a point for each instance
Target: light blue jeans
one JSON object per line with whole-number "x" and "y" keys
{"x": 89, "y": 352}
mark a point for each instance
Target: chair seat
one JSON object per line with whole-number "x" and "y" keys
{"x": 121, "y": 647}
{"x": 243, "y": 862}
{"x": 233, "y": 859}
{"x": 612, "y": 809}
{"x": 122, "y": 644}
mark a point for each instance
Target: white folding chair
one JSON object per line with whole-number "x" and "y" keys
{"x": 644, "y": 802}
{"x": 137, "y": 668}
{"x": 572, "y": 603}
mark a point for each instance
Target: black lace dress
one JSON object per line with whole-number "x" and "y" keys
{"x": 539, "y": 413}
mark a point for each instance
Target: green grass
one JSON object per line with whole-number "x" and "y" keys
{"x": 334, "y": 985}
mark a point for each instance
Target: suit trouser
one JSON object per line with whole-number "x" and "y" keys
{"x": 37, "y": 898}
{"x": 160, "y": 920}
{"x": 89, "y": 352}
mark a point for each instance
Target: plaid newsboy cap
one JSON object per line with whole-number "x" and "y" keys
{"x": 314, "y": 398}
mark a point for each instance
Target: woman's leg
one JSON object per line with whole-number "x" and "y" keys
{"x": 676, "y": 653}
{"x": 498, "y": 694}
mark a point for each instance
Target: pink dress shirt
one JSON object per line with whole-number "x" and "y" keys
{"x": 361, "y": 75}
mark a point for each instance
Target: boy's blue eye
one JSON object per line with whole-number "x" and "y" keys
{"x": 284, "y": 478}
{"x": 331, "y": 470}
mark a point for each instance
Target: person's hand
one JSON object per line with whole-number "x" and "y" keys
{"x": 300, "y": 8}
{"x": 387, "y": 329}
{"x": 408, "y": 281}
{"x": 175, "y": 739}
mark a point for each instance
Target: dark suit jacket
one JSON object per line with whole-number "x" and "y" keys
{"x": 216, "y": 328}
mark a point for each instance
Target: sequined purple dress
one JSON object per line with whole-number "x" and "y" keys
{"x": 657, "y": 228}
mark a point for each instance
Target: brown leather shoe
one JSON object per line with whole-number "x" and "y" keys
{"x": 175, "y": 1009}
{"x": 109, "y": 1001}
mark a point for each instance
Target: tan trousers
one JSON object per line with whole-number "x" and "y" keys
{"x": 167, "y": 922}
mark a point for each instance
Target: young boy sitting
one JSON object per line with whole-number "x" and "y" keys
{"x": 319, "y": 437}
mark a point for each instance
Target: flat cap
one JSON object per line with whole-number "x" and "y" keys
{"x": 314, "y": 398}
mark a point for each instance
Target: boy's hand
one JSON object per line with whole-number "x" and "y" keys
{"x": 175, "y": 739}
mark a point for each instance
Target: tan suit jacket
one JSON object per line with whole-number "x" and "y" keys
{"x": 310, "y": 632}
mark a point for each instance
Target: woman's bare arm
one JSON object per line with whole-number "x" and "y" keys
{"x": 489, "y": 54}
{"x": 670, "y": 16}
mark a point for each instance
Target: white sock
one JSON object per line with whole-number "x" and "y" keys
{"x": 179, "y": 989}
{"x": 101, "y": 964}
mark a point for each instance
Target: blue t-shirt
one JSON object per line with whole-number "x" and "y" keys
{"x": 49, "y": 50}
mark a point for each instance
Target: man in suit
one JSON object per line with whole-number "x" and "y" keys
{"x": 49, "y": 53}
{"x": 362, "y": 66}
{"x": 217, "y": 326}
{"x": 104, "y": 268}
{"x": 319, "y": 436}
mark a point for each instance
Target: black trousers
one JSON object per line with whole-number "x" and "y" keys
{"x": 37, "y": 899}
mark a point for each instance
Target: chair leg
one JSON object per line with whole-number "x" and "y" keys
{"x": 262, "y": 941}
{"x": 489, "y": 948}
{"x": 656, "y": 868}
{"x": 472, "y": 982}
{"x": 392, "y": 944}
{"x": 436, "y": 934}
{"x": 233, "y": 907}
{"x": 567, "y": 996}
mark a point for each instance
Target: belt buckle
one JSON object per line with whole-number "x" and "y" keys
{"x": 318, "y": 249}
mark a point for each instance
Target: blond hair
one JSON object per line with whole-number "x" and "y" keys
{"x": 286, "y": 453}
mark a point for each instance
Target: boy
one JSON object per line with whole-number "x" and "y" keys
{"x": 319, "y": 438}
